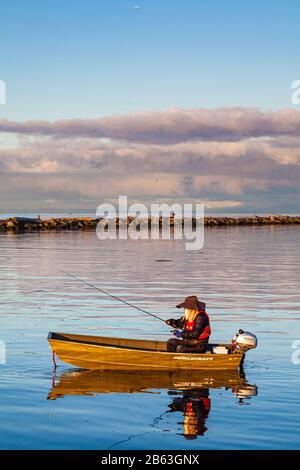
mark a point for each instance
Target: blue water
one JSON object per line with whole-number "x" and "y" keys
{"x": 249, "y": 278}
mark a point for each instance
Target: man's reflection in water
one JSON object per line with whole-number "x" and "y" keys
{"x": 195, "y": 405}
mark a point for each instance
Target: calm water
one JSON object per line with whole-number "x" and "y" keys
{"x": 249, "y": 278}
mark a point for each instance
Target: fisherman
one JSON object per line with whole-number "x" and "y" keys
{"x": 192, "y": 330}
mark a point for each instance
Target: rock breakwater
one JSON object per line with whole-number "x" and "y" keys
{"x": 23, "y": 224}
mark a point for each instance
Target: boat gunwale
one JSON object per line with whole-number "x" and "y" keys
{"x": 132, "y": 348}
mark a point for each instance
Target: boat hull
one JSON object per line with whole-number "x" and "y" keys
{"x": 107, "y": 354}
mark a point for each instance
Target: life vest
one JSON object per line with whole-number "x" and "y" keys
{"x": 189, "y": 326}
{"x": 206, "y": 406}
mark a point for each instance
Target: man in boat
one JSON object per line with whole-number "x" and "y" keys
{"x": 192, "y": 330}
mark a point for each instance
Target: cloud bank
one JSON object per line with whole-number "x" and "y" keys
{"x": 238, "y": 156}
{"x": 175, "y": 125}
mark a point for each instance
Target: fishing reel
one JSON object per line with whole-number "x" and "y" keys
{"x": 244, "y": 340}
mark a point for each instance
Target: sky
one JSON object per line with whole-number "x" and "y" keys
{"x": 158, "y": 100}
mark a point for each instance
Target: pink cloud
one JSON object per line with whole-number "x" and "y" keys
{"x": 174, "y": 125}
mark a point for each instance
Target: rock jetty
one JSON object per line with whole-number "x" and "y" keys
{"x": 23, "y": 224}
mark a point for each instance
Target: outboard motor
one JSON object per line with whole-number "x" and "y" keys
{"x": 244, "y": 340}
{"x": 245, "y": 391}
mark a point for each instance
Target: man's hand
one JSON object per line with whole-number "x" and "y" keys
{"x": 170, "y": 322}
{"x": 177, "y": 333}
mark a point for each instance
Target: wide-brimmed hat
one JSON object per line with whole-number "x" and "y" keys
{"x": 192, "y": 303}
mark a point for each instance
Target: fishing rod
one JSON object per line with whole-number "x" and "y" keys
{"x": 113, "y": 296}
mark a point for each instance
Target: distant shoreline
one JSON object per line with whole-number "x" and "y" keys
{"x": 26, "y": 224}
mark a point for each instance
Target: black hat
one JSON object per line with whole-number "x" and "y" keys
{"x": 192, "y": 303}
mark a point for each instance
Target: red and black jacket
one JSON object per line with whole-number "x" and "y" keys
{"x": 198, "y": 329}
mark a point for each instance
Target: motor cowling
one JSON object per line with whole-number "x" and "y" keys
{"x": 245, "y": 340}
{"x": 246, "y": 391}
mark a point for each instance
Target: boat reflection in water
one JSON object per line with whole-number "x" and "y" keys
{"x": 189, "y": 392}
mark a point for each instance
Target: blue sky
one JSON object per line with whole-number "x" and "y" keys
{"x": 64, "y": 59}
{"x": 168, "y": 100}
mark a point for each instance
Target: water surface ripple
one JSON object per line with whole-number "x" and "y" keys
{"x": 249, "y": 278}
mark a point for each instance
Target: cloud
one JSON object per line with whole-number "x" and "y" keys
{"x": 229, "y": 157}
{"x": 174, "y": 125}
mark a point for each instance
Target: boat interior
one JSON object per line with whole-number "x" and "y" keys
{"x": 122, "y": 343}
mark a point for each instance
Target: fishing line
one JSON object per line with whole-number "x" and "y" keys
{"x": 113, "y": 296}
